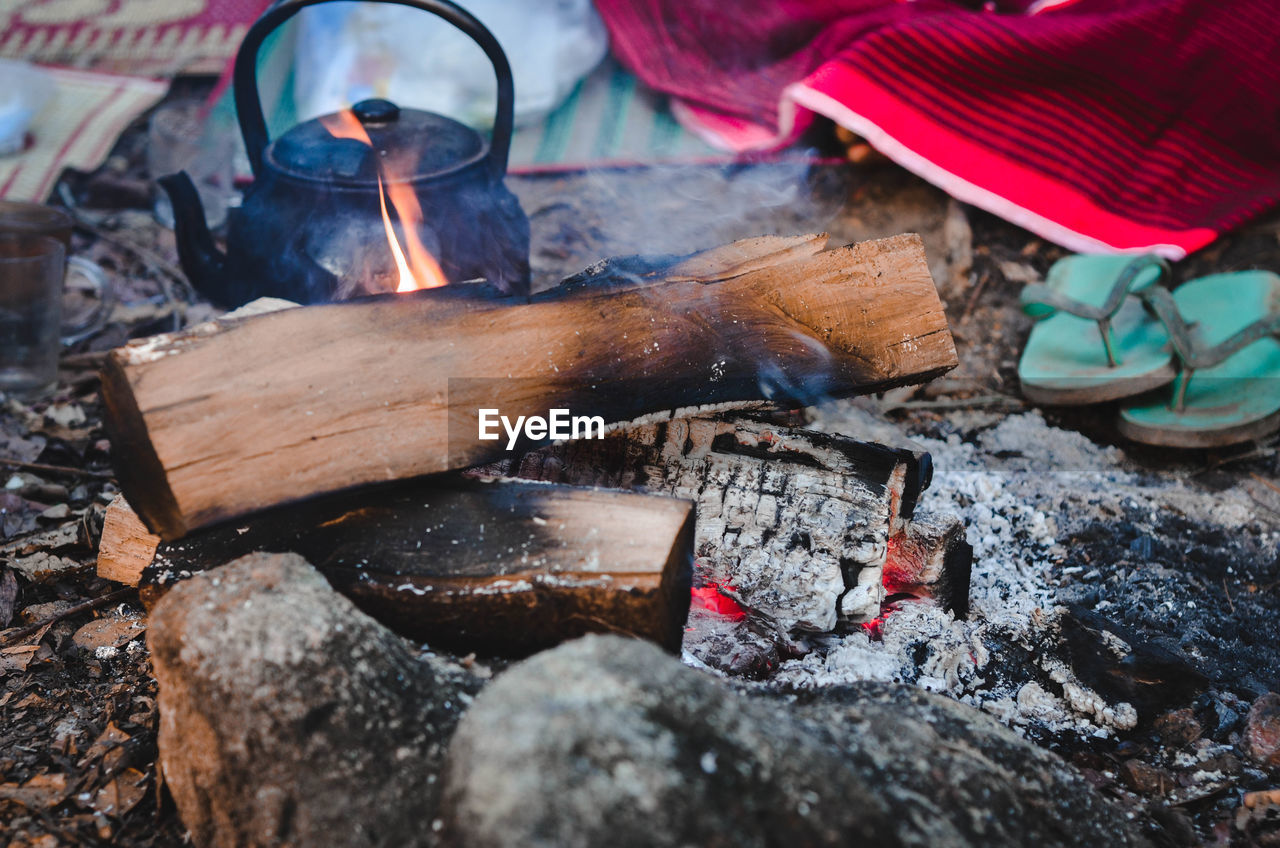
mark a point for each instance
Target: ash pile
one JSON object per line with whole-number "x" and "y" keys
{"x": 1016, "y": 567}
{"x": 1118, "y": 614}
{"x": 1099, "y": 592}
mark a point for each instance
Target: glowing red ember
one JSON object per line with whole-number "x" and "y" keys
{"x": 711, "y": 598}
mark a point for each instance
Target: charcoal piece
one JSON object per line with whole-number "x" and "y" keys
{"x": 931, "y": 559}
{"x": 1122, "y": 666}
{"x": 744, "y": 646}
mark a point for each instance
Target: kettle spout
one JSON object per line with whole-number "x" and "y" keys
{"x": 202, "y": 262}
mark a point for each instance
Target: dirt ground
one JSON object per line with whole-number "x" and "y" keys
{"x": 78, "y": 712}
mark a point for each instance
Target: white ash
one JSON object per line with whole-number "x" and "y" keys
{"x": 1018, "y": 490}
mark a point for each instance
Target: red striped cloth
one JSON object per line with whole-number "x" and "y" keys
{"x": 1099, "y": 124}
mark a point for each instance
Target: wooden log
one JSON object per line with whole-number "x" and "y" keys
{"x": 792, "y": 523}
{"x": 495, "y": 567}
{"x": 231, "y": 418}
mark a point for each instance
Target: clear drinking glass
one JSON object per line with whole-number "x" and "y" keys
{"x": 34, "y": 276}
{"x": 31, "y": 273}
{"x": 36, "y": 219}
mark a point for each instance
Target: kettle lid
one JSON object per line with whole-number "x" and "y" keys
{"x": 373, "y": 139}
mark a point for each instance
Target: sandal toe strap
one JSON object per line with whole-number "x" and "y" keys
{"x": 1040, "y": 301}
{"x": 1193, "y": 355}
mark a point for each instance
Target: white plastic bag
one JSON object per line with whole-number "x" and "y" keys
{"x": 24, "y": 89}
{"x": 347, "y": 52}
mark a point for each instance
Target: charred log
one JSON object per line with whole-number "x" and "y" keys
{"x": 231, "y": 418}
{"x": 500, "y": 568}
{"x": 793, "y": 523}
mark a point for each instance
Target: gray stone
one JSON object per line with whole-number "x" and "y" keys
{"x": 607, "y": 741}
{"x": 288, "y": 717}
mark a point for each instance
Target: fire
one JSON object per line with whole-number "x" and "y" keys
{"x": 422, "y": 270}
{"x": 345, "y": 124}
{"x": 711, "y": 598}
{"x": 419, "y": 270}
{"x": 407, "y": 280}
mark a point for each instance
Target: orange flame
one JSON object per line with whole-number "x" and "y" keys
{"x": 345, "y": 124}
{"x": 423, "y": 270}
{"x": 420, "y": 270}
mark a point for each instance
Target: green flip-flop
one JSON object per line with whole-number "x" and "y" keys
{"x": 1225, "y": 330}
{"x": 1094, "y": 340}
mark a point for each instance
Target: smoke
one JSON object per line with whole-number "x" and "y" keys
{"x": 578, "y": 219}
{"x": 807, "y": 385}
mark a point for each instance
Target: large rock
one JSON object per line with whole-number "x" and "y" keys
{"x": 607, "y": 741}
{"x": 288, "y": 717}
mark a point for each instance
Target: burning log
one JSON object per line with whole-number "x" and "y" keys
{"x": 227, "y": 419}
{"x": 496, "y": 567}
{"x": 930, "y": 559}
{"x": 805, "y": 528}
{"x": 793, "y": 523}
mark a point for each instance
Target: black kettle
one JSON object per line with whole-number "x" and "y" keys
{"x": 318, "y": 222}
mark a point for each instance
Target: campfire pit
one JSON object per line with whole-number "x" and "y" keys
{"x": 1100, "y": 579}
{"x": 1102, "y": 530}
{"x": 795, "y": 525}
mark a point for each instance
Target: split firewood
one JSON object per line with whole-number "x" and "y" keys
{"x": 794, "y": 524}
{"x": 227, "y": 419}
{"x": 126, "y": 546}
{"x": 496, "y": 567}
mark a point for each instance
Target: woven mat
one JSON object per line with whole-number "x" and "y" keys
{"x": 76, "y": 129}
{"x": 610, "y": 120}
{"x": 140, "y": 37}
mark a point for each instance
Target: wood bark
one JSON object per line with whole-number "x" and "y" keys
{"x": 231, "y": 418}
{"x": 495, "y": 567}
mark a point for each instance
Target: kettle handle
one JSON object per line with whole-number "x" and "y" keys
{"x": 253, "y": 125}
